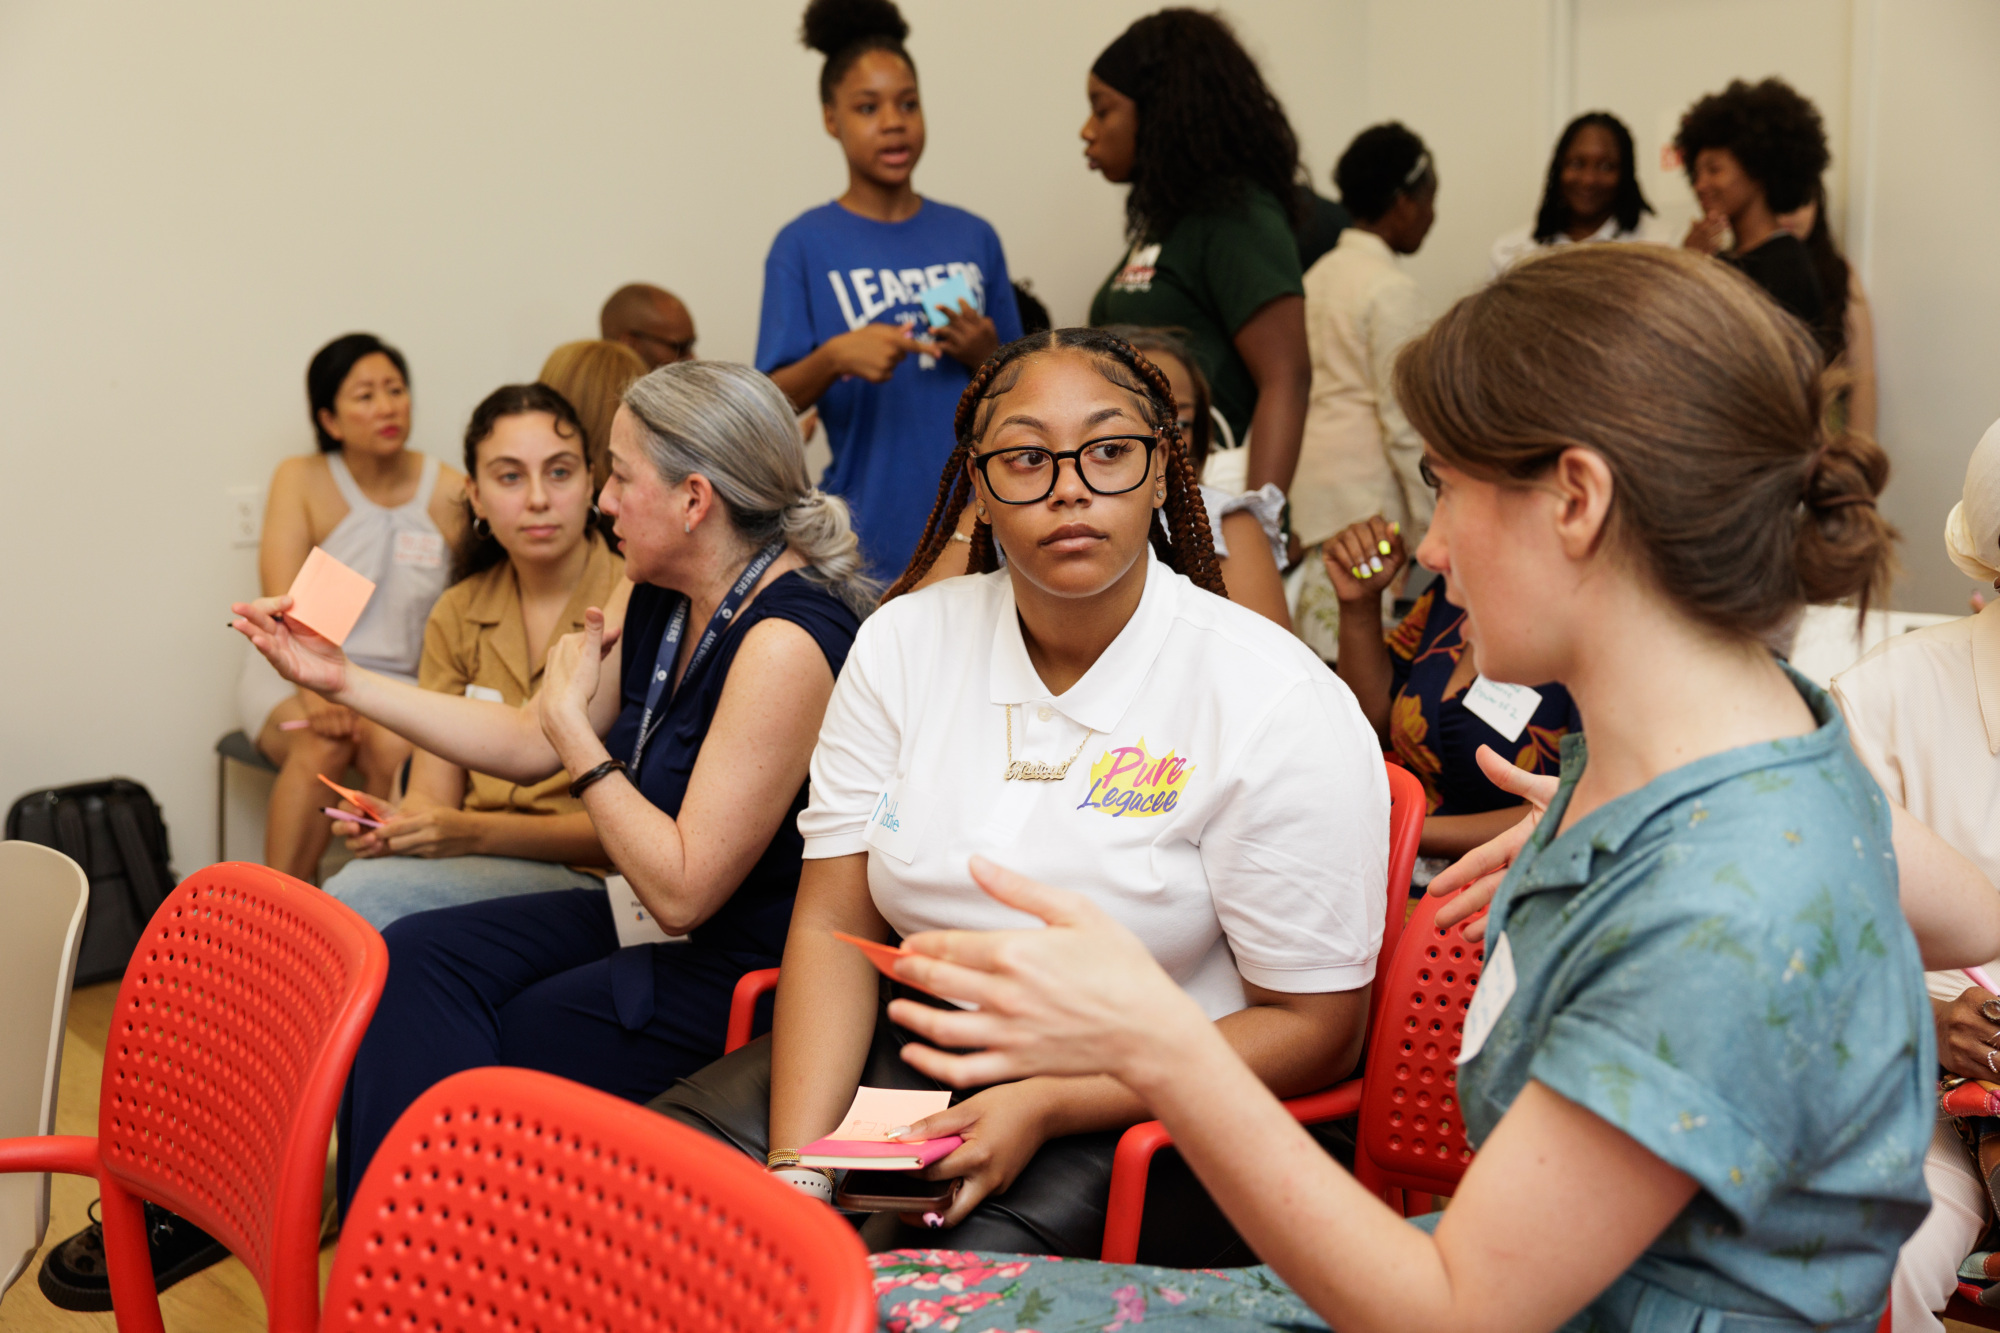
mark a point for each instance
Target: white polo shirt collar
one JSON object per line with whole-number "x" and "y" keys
{"x": 1100, "y": 699}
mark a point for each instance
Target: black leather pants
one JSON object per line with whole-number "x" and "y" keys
{"x": 1055, "y": 1206}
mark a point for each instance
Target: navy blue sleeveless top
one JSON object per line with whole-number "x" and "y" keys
{"x": 755, "y": 918}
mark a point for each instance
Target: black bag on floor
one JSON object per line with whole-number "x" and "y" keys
{"x": 114, "y": 831}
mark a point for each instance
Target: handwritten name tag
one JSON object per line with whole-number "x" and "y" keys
{"x": 1496, "y": 987}
{"x": 891, "y": 825}
{"x": 1505, "y": 708}
{"x": 422, "y": 549}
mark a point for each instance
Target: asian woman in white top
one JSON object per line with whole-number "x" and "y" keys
{"x": 379, "y": 507}
{"x": 1099, "y": 710}
{"x": 1592, "y": 194}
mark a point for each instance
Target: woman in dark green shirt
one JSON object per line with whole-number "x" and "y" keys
{"x": 1179, "y": 111}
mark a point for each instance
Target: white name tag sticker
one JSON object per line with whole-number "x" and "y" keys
{"x": 423, "y": 549}
{"x": 485, "y": 692}
{"x": 1505, "y": 708}
{"x": 892, "y": 825}
{"x": 635, "y": 924}
{"x": 1489, "y": 998}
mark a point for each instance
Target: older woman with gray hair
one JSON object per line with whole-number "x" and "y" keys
{"x": 687, "y": 710}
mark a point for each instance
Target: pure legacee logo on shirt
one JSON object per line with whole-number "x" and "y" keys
{"x": 1128, "y": 781}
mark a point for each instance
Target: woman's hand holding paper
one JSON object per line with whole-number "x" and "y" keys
{"x": 297, "y": 653}
{"x": 1003, "y": 1127}
{"x": 1081, "y": 997}
{"x": 966, "y": 335}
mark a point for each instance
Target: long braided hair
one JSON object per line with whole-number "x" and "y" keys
{"x": 1183, "y": 540}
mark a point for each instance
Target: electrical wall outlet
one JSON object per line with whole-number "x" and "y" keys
{"x": 246, "y": 515}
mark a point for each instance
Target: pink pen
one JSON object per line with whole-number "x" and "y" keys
{"x": 349, "y": 816}
{"x": 296, "y": 724}
{"x": 1981, "y": 980}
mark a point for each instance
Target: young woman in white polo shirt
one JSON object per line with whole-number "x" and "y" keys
{"x": 1098, "y": 710}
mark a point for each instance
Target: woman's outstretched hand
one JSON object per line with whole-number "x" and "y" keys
{"x": 295, "y": 651}
{"x": 1474, "y": 876}
{"x": 1081, "y": 997}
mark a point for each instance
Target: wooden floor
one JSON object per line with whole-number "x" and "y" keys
{"x": 224, "y": 1299}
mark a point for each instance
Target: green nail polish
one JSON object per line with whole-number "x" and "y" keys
{"x": 1383, "y": 547}
{"x": 1396, "y": 528}
{"x": 1357, "y": 572}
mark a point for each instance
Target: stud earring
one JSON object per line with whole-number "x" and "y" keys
{"x": 686, "y": 526}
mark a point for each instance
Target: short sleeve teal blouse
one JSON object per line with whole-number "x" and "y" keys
{"x": 1717, "y": 964}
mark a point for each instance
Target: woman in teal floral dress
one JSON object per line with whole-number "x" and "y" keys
{"x": 1697, "y": 1067}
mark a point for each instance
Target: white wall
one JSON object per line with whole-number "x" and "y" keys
{"x": 1932, "y": 265}
{"x": 198, "y": 196}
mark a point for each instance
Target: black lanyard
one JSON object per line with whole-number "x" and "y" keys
{"x": 670, "y": 644}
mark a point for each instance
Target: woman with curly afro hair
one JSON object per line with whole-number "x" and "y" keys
{"x": 1179, "y": 112}
{"x": 1753, "y": 151}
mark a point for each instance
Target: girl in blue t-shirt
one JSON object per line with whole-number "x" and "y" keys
{"x": 844, "y": 324}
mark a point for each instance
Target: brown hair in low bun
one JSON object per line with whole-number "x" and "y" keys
{"x": 1707, "y": 402}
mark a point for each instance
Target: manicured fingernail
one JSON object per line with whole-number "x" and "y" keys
{"x": 1383, "y": 547}
{"x": 1376, "y": 564}
{"x": 1396, "y": 528}
{"x": 934, "y": 1220}
{"x": 1357, "y": 572}
{"x": 899, "y": 1131}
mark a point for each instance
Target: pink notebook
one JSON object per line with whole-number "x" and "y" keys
{"x": 862, "y": 1139}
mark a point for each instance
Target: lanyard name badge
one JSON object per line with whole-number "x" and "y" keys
{"x": 670, "y": 644}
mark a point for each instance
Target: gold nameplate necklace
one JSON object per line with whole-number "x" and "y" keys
{"x": 1034, "y": 770}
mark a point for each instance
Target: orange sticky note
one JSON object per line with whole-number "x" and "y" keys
{"x": 328, "y": 597}
{"x": 883, "y": 956}
{"x": 362, "y": 801}
{"x": 875, "y": 1112}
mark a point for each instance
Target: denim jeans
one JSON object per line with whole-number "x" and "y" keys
{"x": 384, "y": 888}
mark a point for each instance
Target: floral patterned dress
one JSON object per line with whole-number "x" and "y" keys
{"x": 965, "y": 1291}
{"x": 1438, "y": 738}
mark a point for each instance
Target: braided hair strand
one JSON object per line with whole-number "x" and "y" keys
{"x": 1180, "y": 533}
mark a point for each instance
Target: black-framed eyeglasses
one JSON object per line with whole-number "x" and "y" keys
{"x": 1109, "y": 465}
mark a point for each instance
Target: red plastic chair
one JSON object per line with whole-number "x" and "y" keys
{"x": 1142, "y": 1142}
{"x": 1406, "y": 827}
{"x": 506, "y": 1198}
{"x": 750, "y": 988}
{"x": 236, "y": 1022}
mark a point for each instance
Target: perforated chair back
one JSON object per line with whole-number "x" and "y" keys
{"x": 237, "y": 1020}
{"x": 1407, "y": 808}
{"x": 44, "y": 896}
{"x": 508, "y": 1198}
{"x": 1410, "y": 1134}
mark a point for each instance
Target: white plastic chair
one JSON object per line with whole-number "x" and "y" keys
{"x": 43, "y": 896}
